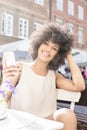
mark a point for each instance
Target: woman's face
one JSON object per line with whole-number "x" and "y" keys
{"x": 47, "y": 51}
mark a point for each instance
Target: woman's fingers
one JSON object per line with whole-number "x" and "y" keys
{"x": 11, "y": 71}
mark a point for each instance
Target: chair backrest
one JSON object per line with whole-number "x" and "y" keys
{"x": 70, "y": 96}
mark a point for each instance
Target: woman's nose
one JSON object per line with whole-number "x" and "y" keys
{"x": 48, "y": 48}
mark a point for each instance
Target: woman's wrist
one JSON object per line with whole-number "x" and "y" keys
{"x": 69, "y": 55}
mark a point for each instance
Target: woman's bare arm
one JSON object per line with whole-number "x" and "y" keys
{"x": 77, "y": 83}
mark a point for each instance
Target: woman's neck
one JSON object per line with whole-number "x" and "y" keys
{"x": 40, "y": 68}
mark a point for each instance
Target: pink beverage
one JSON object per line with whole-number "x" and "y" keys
{"x": 8, "y": 59}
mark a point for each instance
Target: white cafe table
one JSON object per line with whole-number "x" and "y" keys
{"x": 19, "y": 120}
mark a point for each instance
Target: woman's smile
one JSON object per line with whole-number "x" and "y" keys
{"x": 45, "y": 53}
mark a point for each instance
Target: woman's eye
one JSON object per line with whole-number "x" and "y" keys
{"x": 55, "y": 49}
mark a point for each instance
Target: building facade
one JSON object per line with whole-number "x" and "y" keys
{"x": 73, "y": 12}
{"x": 19, "y": 18}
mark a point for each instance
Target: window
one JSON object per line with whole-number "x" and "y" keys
{"x": 41, "y": 2}
{"x": 59, "y": 5}
{"x": 23, "y": 28}
{"x": 59, "y": 21}
{"x": 37, "y": 26}
{"x": 70, "y": 8}
{"x": 80, "y": 36}
{"x": 7, "y": 24}
{"x": 80, "y": 12}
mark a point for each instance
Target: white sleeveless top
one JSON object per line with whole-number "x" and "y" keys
{"x": 34, "y": 93}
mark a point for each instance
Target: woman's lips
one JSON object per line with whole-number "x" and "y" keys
{"x": 46, "y": 54}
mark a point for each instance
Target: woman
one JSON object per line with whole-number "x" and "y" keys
{"x": 36, "y": 82}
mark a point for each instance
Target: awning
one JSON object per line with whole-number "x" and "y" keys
{"x": 80, "y": 56}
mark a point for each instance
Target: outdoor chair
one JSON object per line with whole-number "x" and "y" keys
{"x": 72, "y": 97}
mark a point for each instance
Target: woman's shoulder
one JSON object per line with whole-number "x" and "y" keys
{"x": 51, "y": 72}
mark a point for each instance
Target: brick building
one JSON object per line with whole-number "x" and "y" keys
{"x": 73, "y": 12}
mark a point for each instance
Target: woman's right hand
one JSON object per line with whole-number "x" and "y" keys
{"x": 12, "y": 73}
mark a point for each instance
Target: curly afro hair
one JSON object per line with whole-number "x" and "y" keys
{"x": 52, "y": 32}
